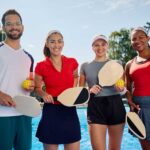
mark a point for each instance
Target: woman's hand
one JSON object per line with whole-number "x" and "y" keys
{"x": 120, "y": 85}
{"x": 95, "y": 89}
{"x": 133, "y": 106}
{"x": 119, "y": 89}
{"x": 48, "y": 98}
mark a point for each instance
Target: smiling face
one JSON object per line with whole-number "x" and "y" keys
{"x": 55, "y": 44}
{"x": 100, "y": 48}
{"x": 139, "y": 40}
{"x": 13, "y": 27}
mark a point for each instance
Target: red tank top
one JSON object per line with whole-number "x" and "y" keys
{"x": 140, "y": 75}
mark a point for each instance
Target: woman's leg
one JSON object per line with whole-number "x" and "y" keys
{"x": 72, "y": 146}
{"x": 50, "y": 146}
{"x": 115, "y": 136}
{"x": 98, "y": 136}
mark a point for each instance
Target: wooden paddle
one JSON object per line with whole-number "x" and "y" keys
{"x": 73, "y": 96}
{"x": 110, "y": 73}
{"x": 27, "y": 105}
{"x": 135, "y": 125}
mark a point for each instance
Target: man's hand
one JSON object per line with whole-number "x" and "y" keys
{"x": 6, "y": 100}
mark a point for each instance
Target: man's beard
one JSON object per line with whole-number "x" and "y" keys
{"x": 12, "y": 36}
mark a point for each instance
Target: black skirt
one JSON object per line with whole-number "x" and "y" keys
{"x": 59, "y": 125}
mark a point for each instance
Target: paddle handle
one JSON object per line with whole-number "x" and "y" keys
{"x": 55, "y": 98}
{"x": 136, "y": 110}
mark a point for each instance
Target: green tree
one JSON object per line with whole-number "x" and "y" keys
{"x": 120, "y": 46}
{"x": 147, "y": 27}
{"x": 2, "y": 35}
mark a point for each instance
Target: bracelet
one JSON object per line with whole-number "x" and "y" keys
{"x": 124, "y": 91}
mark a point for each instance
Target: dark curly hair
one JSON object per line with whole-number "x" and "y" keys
{"x": 10, "y": 12}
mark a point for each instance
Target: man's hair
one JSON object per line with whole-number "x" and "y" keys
{"x": 10, "y": 12}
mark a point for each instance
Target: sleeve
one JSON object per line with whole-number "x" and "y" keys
{"x": 82, "y": 69}
{"x": 39, "y": 69}
{"x": 32, "y": 60}
{"x": 74, "y": 64}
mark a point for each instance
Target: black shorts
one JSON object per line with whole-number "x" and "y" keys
{"x": 59, "y": 125}
{"x": 107, "y": 110}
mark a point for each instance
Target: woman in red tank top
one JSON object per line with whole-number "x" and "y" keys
{"x": 138, "y": 80}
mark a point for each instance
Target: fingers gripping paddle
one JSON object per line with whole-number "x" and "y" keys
{"x": 73, "y": 96}
{"x": 135, "y": 125}
{"x": 27, "y": 105}
{"x": 110, "y": 73}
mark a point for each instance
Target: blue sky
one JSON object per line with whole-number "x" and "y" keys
{"x": 78, "y": 20}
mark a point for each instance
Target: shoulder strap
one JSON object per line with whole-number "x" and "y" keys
{"x": 129, "y": 65}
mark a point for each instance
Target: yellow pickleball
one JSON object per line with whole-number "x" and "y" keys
{"x": 26, "y": 84}
{"x": 120, "y": 83}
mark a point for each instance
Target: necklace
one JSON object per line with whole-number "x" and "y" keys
{"x": 140, "y": 60}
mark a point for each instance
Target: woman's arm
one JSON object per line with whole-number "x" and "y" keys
{"x": 94, "y": 89}
{"x": 38, "y": 88}
{"x": 76, "y": 78}
{"x": 129, "y": 86}
{"x": 82, "y": 80}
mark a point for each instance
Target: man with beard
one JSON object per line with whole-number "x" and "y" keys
{"x": 15, "y": 63}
